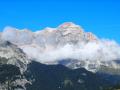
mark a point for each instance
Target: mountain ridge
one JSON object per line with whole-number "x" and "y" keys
{"x": 67, "y": 41}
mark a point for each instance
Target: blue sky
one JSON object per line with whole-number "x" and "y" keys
{"x": 101, "y": 17}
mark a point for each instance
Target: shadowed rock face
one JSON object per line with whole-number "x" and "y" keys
{"x": 9, "y": 75}
{"x": 59, "y": 77}
{"x": 51, "y": 77}
{"x": 8, "y": 72}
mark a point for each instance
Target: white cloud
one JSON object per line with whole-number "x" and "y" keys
{"x": 40, "y": 47}
{"x": 104, "y": 51}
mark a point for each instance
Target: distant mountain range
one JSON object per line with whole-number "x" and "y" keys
{"x": 62, "y": 58}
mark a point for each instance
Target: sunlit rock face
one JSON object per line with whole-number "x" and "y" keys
{"x": 67, "y": 42}
{"x": 11, "y": 54}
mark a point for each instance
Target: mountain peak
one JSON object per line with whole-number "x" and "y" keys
{"x": 90, "y": 36}
{"x": 70, "y": 26}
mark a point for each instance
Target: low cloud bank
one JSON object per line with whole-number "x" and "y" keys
{"x": 38, "y": 49}
{"x": 105, "y": 50}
